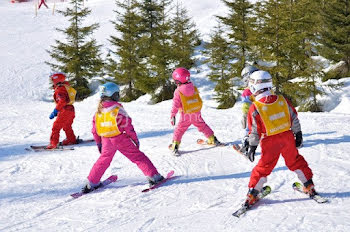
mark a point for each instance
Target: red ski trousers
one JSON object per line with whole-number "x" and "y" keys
{"x": 63, "y": 121}
{"x": 271, "y": 148}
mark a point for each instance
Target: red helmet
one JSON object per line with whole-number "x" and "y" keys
{"x": 181, "y": 75}
{"x": 58, "y": 77}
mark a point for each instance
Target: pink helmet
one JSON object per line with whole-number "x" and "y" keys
{"x": 181, "y": 75}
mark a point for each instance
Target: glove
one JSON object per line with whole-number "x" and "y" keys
{"x": 251, "y": 153}
{"x": 99, "y": 147}
{"x": 173, "y": 120}
{"x": 53, "y": 114}
{"x": 299, "y": 139}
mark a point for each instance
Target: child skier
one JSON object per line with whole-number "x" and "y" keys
{"x": 247, "y": 98}
{"x": 64, "y": 97}
{"x": 112, "y": 130}
{"x": 274, "y": 122}
{"x": 187, "y": 100}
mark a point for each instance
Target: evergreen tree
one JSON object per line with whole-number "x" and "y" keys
{"x": 79, "y": 57}
{"x": 157, "y": 49}
{"x": 130, "y": 67}
{"x": 240, "y": 24}
{"x": 286, "y": 33}
{"x": 184, "y": 38}
{"x": 335, "y": 33}
{"x": 220, "y": 53}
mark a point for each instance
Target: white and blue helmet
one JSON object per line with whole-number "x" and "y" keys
{"x": 108, "y": 89}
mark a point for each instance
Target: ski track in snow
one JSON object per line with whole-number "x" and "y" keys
{"x": 211, "y": 182}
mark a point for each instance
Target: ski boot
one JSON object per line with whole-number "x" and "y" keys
{"x": 66, "y": 142}
{"x": 51, "y": 147}
{"x": 252, "y": 197}
{"x": 174, "y": 147}
{"x": 155, "y": 179}
{"x": 89, "y": 187}
{"x": 212, "y": 140}
{"x": 309, "y": 188}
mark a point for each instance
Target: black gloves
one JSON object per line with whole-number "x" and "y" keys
{"x": 251, "y": 153}
{"x": 299, "y": 139}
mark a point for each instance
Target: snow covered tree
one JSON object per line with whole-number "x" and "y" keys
{"x": 184, "y": 38}
{"x": 129, "y": 66}
{"x": 79, "y": 57}
{"x": 220, "y": 52}
{"x": 335, "y": 34}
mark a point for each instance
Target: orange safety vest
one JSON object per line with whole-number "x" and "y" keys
{"x": 106, "y": 124}
{"x": 275, "y": 116}
{"x": 191, "y": 104}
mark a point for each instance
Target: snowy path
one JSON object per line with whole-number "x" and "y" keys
{"x": 212, "y": 182}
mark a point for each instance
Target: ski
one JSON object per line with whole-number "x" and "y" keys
{"x": 43, "y": 148}
{"x": 319, "y": 199}
{"x": 245, "y": 207}
{"x": 60, "y": 147}
{"x": 169, "y": 176}
{"x": 238, "y": 148}
{"x": 79, "y": 141}
{"x": 107, "y": 181}
{"x": 204, "y": 142}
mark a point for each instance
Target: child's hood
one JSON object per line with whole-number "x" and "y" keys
{"x": 107, "y": 104}
{"x": 187, "y": 89}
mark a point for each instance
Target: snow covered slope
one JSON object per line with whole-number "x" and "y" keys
{"x": 212, "y": 182}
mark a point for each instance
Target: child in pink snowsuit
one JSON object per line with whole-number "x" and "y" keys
{"x": 247, "y": 98}
{"x": 187, "y": 100}
{"x": 113, "y": 131}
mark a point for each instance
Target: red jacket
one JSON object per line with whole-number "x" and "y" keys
{"x": 61, "y": 98}
{"x": 256, "y": 125}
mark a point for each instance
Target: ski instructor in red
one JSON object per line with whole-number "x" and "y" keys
{"x": 273, "y": 122}
{"x": 64, "y": 97}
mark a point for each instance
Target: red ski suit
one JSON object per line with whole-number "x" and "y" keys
{"x": 274, "y": 145}
{"x": 65, "y": 116}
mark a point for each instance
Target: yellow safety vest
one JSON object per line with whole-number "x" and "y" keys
{"x": 106, "y": 124}
{"x": 71, "y": 93}
{"x": 191, "y": 104}
{"x": 275, "y": 115}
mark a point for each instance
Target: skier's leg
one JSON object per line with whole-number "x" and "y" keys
{"x": 55, "y": 133}
{"x": 268, "y": 160}
{"x": 294, "y": 161}
{"x": 133, "y": 153}
{"x": 197, "y": 120}
{"x": 103, "y": 162}
{"x": 70, "y": 136}
{"x": 181, "y": 128}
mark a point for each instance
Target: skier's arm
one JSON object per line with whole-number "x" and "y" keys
{"x": 253, "y": 126}
{"x": 124, "y": 123}
{"x": 61, "y": 100}
{"x": 97, "y": 138}
{"x": 176, "y": 104}
{"x": 296, "y": 127}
